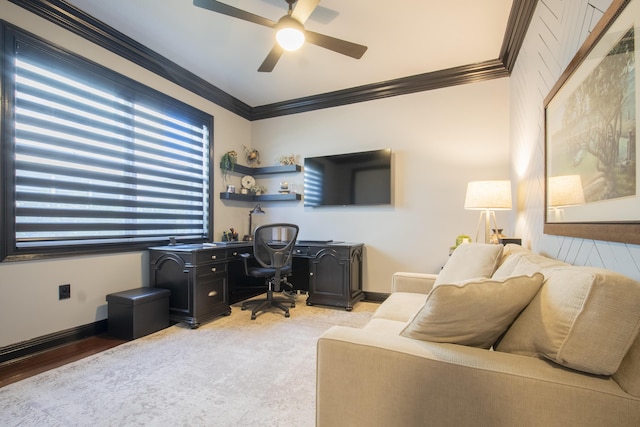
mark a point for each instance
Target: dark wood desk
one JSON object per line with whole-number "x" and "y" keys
{"x": 205, "y": 279}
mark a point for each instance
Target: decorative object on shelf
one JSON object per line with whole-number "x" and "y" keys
{"x": 258, "y": 211}
{"x": 252, "y": 155}
{"x": 463, "y": 238}
{"x": 287, "y": 160}
{"x": 496, "y": 236}
{"x": 488, "y": 196}
{"x": 248, "y": 182}
{"x": 228, "y": 162}
{"x": 284, "y": 188}
{"x": 258, "y": 189}
{"x": 232, "y": 235}
{"x": 231, "y": 188}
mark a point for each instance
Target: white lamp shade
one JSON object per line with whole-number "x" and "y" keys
{"x": 565, "y": 190}
{"x": 488, "y": 195}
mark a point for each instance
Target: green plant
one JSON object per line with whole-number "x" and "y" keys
{"x": 228, "y": 162}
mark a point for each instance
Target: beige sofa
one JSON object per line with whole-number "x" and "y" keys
{"x": 569, "y": 357}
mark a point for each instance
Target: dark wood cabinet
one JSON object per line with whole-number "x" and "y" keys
{"x": 197, "y": 278}
{"x": 335, "y": 274}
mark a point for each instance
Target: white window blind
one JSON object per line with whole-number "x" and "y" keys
{"x": 97, "y": 162}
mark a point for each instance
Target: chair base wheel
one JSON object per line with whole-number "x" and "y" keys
{"x": 265, "y": 304}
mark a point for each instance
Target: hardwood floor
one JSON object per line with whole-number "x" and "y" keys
{"x": 19, "y": 369}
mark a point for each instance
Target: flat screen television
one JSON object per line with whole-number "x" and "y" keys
{"x": 362, "y": 178}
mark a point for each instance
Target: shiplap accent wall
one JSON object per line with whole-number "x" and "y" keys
{"x": 558, "y": 29}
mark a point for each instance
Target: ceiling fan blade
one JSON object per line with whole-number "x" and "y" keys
{"x": 225, "y": 9}
{"x": 271, "y": 60}
{"x": 304, "y": 9}
{"x": 344, "y": 47}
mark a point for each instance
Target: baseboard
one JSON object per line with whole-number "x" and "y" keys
{"x": 375, "y": 296}
{"x": 46, "y": 342}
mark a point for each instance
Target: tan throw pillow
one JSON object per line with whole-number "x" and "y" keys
{"x": 583, "y": 318}
{"x": 470, "y": 261}
{"x": 474, "y": 312}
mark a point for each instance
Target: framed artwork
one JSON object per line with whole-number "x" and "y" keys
{"x": 592, "y": 186}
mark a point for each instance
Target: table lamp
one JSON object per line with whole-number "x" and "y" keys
{"x": 258, "y": 211}
{"x": 488, "y": 197}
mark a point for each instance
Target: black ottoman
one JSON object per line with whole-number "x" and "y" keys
{"x": 138, "y": 312}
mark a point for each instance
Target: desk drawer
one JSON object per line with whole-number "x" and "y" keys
{"x": 235, "y": 253}
{"x": 307, "y": 251}
{"x": 213, "y": 255}
{"x": 302, "y": 251}
{"x": 210, "y": 292}
{"x": 211, "y": 268}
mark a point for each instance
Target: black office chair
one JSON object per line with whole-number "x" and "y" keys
{"x": 273, "y": 249}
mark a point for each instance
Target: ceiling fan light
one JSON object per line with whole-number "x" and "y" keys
{"x": 290, "y": 33}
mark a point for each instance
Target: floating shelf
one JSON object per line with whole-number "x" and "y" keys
{"x": 267, "y": 170}
{"x": 260, "y": 198}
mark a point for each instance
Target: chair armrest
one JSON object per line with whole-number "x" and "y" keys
{"x": 245, "y": 257}
{"x": 419, "y": 283}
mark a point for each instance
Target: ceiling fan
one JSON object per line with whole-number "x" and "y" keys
{"x": 290, "y": 28}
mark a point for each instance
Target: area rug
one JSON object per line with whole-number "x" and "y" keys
{"x": 231, "y": 371}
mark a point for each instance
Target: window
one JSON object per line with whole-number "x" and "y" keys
{"x": 94, "y": 161}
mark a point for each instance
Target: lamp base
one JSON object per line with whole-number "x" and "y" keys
{"x": 247, "y": 238}
{"x": 488, "y": 215}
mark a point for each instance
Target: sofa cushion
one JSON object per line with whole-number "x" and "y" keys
{"x": 583, "y": 318}
{"x": 511, "y": 253}
{"x": 474, "y": 312}
{"x": 517, "y": 260}
{"x": 400, "y": 306}
{"x": 470, "y": 261}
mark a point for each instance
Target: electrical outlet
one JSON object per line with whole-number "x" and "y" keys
{"x": 64, "y": 291}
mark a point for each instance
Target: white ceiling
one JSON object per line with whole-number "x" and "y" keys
{"x": 404, "y": 38}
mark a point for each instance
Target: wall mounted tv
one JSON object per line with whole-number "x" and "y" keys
{"x": 362, "y": 178}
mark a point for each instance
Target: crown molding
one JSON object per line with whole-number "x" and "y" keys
{"x": 517, "y": 26}
{"x": 428, "y": 81}
{"x": 75, "y": 20}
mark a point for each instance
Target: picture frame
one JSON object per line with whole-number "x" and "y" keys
{"x": 592, "y": 184}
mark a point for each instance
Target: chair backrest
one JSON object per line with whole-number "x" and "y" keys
{"x": 273, "y": 244}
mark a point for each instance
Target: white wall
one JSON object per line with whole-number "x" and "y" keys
{"x": 557, "y": 30}
{"x": 440, "y": 140}
{"x": 29, "y": 306}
